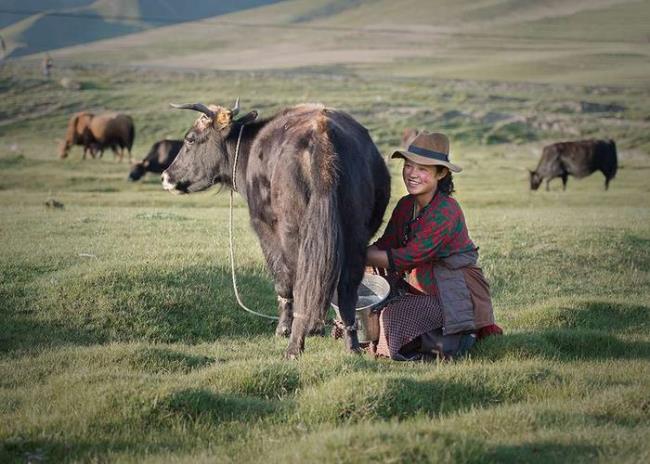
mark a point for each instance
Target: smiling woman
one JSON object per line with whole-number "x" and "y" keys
{"x": 444, "y": 301}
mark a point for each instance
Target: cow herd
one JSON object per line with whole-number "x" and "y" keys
{"x": 97, "y": 132}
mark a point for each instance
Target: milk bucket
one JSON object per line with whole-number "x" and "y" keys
{"x": 372, "y": 291}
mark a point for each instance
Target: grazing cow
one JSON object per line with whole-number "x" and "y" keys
{"x": 97, "y": 132}
{"x": 112, "y": 130}
{"x": 316, "y": 188}
{"x": 78, "y": 133}
{"x": 160, "y": 156}
{"x": 578, "y": 159}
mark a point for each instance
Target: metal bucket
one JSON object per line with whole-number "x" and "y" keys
{"x": 372, "y": 291}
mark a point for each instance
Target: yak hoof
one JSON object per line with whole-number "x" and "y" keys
{"x": 318, "y": 328}
{"x": 291, "y": 355}
{"x": 282, "y": 330}
{"x": 358, "y": 350}
{"x": 352, "y": 342}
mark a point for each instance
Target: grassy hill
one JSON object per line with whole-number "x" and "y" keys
{"x": 36, "y": 26}
{"x": 595, "y": 42}
{"x": 122, "y": 340}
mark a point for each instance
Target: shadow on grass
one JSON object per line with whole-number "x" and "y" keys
{"x": 561, "y": 344}
{"x": 361, "y": 397}
{"x": 201, "y": 413}
{"x": 542, "y": 452}
{"x": 203, "y": 405}
{"x": 584, "y": 330}
{"x": 191, "y": 305}
{"x": 602, "y": 315}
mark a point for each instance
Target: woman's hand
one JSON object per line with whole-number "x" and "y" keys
{"x": 376, "y": 257}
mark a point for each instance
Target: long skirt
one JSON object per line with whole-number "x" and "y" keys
{"x": 403, "y": 320}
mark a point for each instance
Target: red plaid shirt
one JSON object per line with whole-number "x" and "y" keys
{"x": 413, "y": 245}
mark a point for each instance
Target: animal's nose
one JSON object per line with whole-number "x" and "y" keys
{"x": 166, "y": 181}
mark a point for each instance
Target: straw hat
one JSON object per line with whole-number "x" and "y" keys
{"x": 429, "y": 149}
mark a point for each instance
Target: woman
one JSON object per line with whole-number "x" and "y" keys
{"x": 444, "y": 301}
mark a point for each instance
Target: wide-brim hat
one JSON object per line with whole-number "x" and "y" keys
{"x": 428, "y": 149}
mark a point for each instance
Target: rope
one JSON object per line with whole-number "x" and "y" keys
{"x": 234, "y": 164}
{"x": 232, "y": 245}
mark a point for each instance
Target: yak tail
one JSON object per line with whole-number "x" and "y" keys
{"x": 319, "y": 259}
{"x": 320, "y": 254}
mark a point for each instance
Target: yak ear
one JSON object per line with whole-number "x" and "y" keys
{"x": 248, "y": 118}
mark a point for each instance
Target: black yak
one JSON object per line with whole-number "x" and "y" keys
{"x": 160, "y": 157}
{"x": 578, "y": 159}
{"x": 316, "y": 188}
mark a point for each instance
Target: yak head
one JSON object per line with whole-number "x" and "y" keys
{"x": 76, "y": 132}
{"x": 535, "y": 179}
{"x": 64, "y": 148}
{"x": 138, "y": 169}
{"x": 206, "y": 157}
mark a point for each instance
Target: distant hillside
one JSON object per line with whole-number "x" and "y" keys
{"x": 32, "y": 26}
{"x": 581, "y": 41}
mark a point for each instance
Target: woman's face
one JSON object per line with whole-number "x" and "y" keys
{"x": 421, "y": 179}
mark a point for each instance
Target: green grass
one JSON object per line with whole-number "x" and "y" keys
{"x": 121, "y": 340}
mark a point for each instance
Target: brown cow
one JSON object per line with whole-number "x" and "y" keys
{"x": 97, "y": 132}
{"x": 77, "y": 134}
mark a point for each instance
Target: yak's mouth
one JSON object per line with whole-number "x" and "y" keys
{"x": 186, "y": 186}
{"x": 174, "y": 187}
{"x": 180, "y": 188}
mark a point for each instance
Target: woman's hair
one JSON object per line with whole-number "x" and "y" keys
{"x": 446, "y": 184}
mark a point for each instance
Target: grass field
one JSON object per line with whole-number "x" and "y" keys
{"x": 120, "y": 336}
{"x": 121, "y": 339}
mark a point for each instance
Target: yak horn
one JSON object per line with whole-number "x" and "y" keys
{"x": 196, "y": 107}
{"x": 235, "y": 109}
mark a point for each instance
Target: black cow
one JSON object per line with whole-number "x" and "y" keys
{"x": 160, "y": 156}
{"x": 316, "y": 188}
{"x": 579, "y": 159}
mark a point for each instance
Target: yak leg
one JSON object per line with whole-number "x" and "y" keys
{"x": 547, "y": 182}
{"x": 349, "y": 280}
{"x": 283, "y": 276}
{"x": 117, "y": 153}
{"x": 607, "y": 179}
{"x": 565, "y": 177}
{"x": 284, "y": 290}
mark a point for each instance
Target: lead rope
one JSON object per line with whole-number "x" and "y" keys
{"x": 232, "y": 245}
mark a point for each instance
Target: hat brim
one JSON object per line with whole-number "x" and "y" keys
{"x": 424, "y": 160}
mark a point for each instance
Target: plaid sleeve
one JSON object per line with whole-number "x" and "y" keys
{"x": 425, "y": 245}
{"x": 390, "y": 237}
